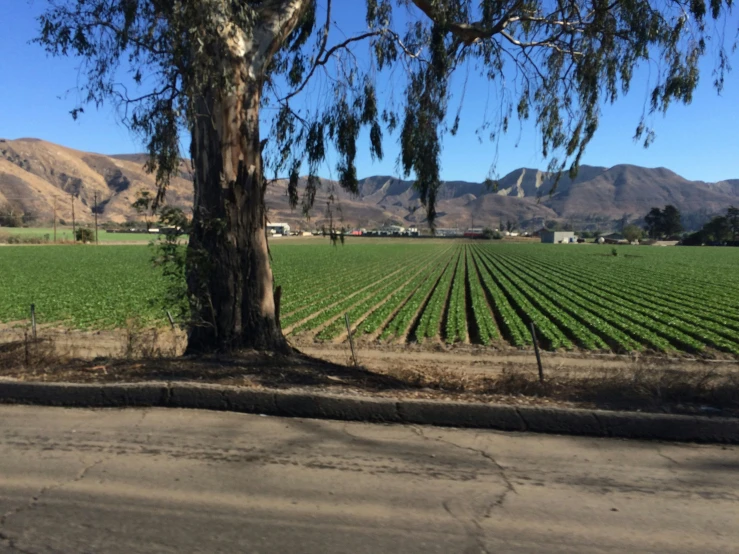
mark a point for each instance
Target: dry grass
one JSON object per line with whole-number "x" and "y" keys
{"x": 28, "y": 353}
{"x": 648, "y": 388}
{"x": 644, "y": 387}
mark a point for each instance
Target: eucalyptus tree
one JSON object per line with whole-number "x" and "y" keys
{"x": 272, "y": 87}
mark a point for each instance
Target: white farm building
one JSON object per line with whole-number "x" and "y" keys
{"x": 556, "y": 237}
{"x": 278, "y": 229}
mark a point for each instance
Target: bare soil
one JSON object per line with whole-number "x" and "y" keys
{"x": 463, "y": 373}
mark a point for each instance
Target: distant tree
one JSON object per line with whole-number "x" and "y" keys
{"x": 30, "y": 216}
{"x": 84, "y": 235}
{"x": 632, "y": 233}
{"x": 732, "y": 215}
{"x": 143, "y": 205}
{"x": 489, "y": 233}
{"x": 663, "y": 223}
{"x": 653, "y": 223}
{"x": 718, "y": 230}
{"x": 671, "y": 221}
{"x": 694, "y": 239}
{"x": 11, "y": 215}
{"x": 221, "y": 70}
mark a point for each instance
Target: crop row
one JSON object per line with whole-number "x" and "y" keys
{"x": 326, "y": 308}
{"x": 484, "y": 320}
{"x": 689, "y": 309}
{"x": 401, "y": 322}
{"x": 681, "y": 329}
{"x": 429, "y": 325}
{"x": 557, "y": 314}
{"x": 583, "y": 306}
{"x": 513, "y": 288}
{"x": 638, "y": 325}
{"x": 456, "y": 319}
{"x": 515, "y": 328}
{"x": 372, "y": 301}
{"x": 375, "y": 321}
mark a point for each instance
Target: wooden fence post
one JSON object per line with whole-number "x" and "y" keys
{"x": 351, "y": 340}
{"x": 33, "y": 320}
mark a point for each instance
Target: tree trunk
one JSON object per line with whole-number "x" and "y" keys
{"x": 229, "y": 273}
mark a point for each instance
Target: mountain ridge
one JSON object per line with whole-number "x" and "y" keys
{"x": 37, "y": 174}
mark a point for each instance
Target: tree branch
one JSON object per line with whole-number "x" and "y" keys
{"x": 327, "y": 56}
{"x": 470, "y": 33}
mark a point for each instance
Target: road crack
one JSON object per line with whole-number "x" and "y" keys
{"x": 666, "y": 457}
{"x": 35, "y": 499}
{"x": 477, "y": 532}
{"x": 510, "y": 488}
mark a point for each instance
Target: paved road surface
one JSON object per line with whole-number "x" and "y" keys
{"x": 189, "y": 481}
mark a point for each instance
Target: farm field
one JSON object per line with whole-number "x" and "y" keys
{"x": 64, "y": 234}
{"x": 580, "y": 297}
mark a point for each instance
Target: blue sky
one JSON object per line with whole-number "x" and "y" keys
{"x": 700, "y": 141}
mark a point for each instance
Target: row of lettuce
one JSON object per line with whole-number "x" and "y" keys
{"x": 486, "y": 295}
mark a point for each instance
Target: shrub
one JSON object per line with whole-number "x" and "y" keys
{"x": 22, "y": 239}
{"x": 632, "y": 233}
{"x": 83, "y": 234}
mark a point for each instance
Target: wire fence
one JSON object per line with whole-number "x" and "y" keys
{"x": 29, "y": 343}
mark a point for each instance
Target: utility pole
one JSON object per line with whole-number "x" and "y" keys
{"x": 74, "y": 231}
{"x": 54, "y": 219}
{"x": 96, "y": 217}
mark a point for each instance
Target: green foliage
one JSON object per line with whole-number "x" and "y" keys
{"x": 11, "y": 215}
{"x": 84, "y": 235}
{"x": 632, "y": 233}
{"x": 664, "y": 223}
{"x": 143, "y": 205}
{"x": 484, "y": 321}
{"x": 719, "y": 230}
{"x": 170, "y": 256}
{"x": 456, "y": 320}
{"x": 429, "y": 326}
{"x": 97, "y": 288}
{"x": 23, "y": 239}
{"x": 665, "y": 300}
{"x": 556, "y": 67}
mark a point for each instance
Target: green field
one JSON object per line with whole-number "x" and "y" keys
{"x": 64, "y": 234}
{"x": 579, "y": 296}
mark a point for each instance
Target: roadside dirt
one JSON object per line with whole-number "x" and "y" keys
{"x": 433, "y": 376}
{"x": 437, "y": 356}
{"x": 479, "y": 361}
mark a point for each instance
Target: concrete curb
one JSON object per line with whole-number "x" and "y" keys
{"x": 596, "y": 423}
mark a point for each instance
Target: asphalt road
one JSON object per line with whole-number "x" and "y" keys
{"x": 190, "y": 481}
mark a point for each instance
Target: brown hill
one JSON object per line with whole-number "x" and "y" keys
{"x": 36, "y": 174}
